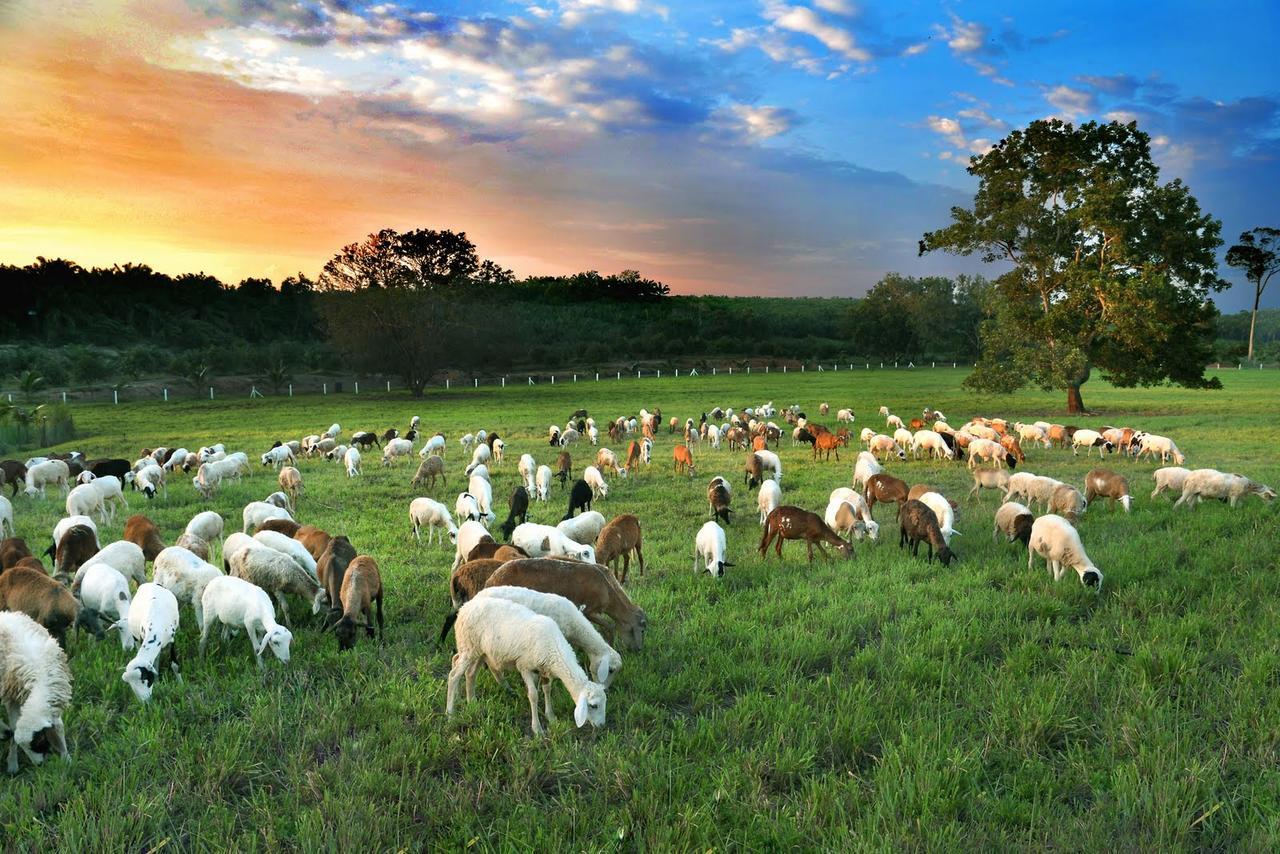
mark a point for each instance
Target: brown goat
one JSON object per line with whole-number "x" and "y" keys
{"x": 288, "y": 527}
{"x": 754, "y": 470}
{"x": 589, "y": 586}
{"x": 12, "y": 550}
{"x": 916, "y": 524}
{"x": 683, "y": 458}
{"x": 486, "y": 549}
{"x": 430, "y": 469}
{"x": 1104, "y": 483}
{"x": 632, "y": 465}
{"x": 826, "y": 443}
{"x": 718, "y": 499}
{"x": 144, "y": 534}
{"x": 78, "y": 544}
{"x": 564, "y": 467}
{"x": 313, "y": 539}
{"x": 468, "y": 579}
{"x": 1011, "y": 444}
{"x": 793, "y": 523}
{"x": 332, "y": 566}
{"x": 15, "y": 474}
{"x": 885, "y": 488}
{"x": 619, "y": 539}
{"x": 32, "y": 592}
{"x": 361, "y": 590}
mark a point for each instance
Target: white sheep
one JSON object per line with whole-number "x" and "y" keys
{"x": 6, "y": 518}
{"x": 709, "y": 547}
{"x": 603, "y": 660}
{"x": 505, "y": 635}
{"x": 583, "y": 528}
{"x": 35, "y": 687}
{"x": 527, "y": 467}
{"x": 881, "y": 444}
{"x": 432, "y": 515}
{"x": 570, "y": 436}
{"x": 237, "y": 603}
{"x": 479, "y": 456}
{"x": 1210, "y": 483}
{"x": 40, "y": 475}
{"x": 498, "y": 449}
{"x": 84, "y": 500}
{"x": 845, "y": 416}
{"x": 1170, "y": 478}
{"x": 395, "y": 449}
{"x": 1057, "y": 541}
{"x": 278, "y": 574}
{"x": 433, "y": 446}
{"x": 149, "y": 479}
{"x": 125, "y": 557}
{"x": 185, "y": 575}
{"x": 291, "y": 547}
{"x": 543, "y": 480}
{"x": 257, "y": 512}
{"x": 104, "y": 590}
{"x": 206, "y": 525}
{"x": 869, "y": 527}
{"x": 546, "y": 541}
{"x": 893, "y": 421}
{"x": 278, "y": 456}
{"x": 769, "y": 461}
{"x": 1028, "y": 433}
{"x": 333, "y": 431}
{"x": 593, "y": 435}
{"x": 466, "y": 442}
{"x": 942, "y": 511}
{"x": 931, "y": 441}
{"x": 176, "y": 459}
{"x": 1149, "y": 443}
{"x": 903, "y": 437}
{"x": 1006, "y": 520}
{"x": 595, "y": 480}
{"x": 986, "y": 450}
{"x": 480, "y": 488}
{"x": 153, "y": 623}
{"x": 470, "y": 534}
{"x": 768, "y": 499}
{"x": 112, "y": 490}
{"x": 865, "y": 468}
{"x": 351, "y": 460}
{"x": 478, "y": 470}
{"x": 467, "y": 508}
{"x": 279, "y": 499}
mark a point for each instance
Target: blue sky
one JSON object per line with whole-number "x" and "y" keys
{"x": 763, "y": 146}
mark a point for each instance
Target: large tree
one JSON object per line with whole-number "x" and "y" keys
{"x": 1110, "y": 269}
{"x": 1258, "y": 254}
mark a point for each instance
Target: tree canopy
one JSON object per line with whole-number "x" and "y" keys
{"x": 1258, "y": 254}
{"x": 1110, "y": 269}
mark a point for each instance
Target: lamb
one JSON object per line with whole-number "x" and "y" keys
{"x": 589, "y": 586}
{"x": 144, "y": 534}
{"x": 290, "y": 481}
{"x": 123, "y": 556}
{"x": 546, "y": 541}
{"x": 236, "y": 603}
{"x": 942, "y": 512}
{"x": 351, "y": 461}
{"x": 176, "y": 458}
{"x": 431, "y": 514}
{"x": 620, "y": 538}
{"x": 206, "y": 525}
{"x": 428, "y": 470}
{"x": 1056, "y": 540}
{"x": 257, "y": 512}
{"x": 278, "y": 456}
{"x": 361, "y": 590}
{"x": 497, "y": 447}
{"x": 277, "y": 573}
{"x": 1103, "y": 483}
{"x": 1162, "y": 445}
{"x": 286, "y": 544}
{"x": 35, "y": 687}
{"x": 84, "y": 500}
{"x": 990, "y": 479}
{"x": 1066, "y": 501}
{"x": 395, "y": 449}
{"x": 1209, "y": 483}
{"x": 583, "y": 528}
{"x": 153, "y": 622}
{"x": 185, "y": 575}
{"x": 1170, "y": 478}
{"x": 543, "y": 481}
{"x": 40, "y": 475}
{"x": 768, "y": 499}
{"x": 1014, "y": 521}
{"x": 470, "y": 533}
{"x": 104, "y": 590}
{"x": 917, "y": 523}
{"x": 506, "y": 635}
{"x": 333, "y": 431}
{"x": 27, "y": 588}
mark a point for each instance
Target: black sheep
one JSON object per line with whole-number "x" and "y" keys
{"x": 519, "y": 512}
{"x": 109, "y": 468}
{"x": 916, "y": 523}
{"x": 579, "y": 498}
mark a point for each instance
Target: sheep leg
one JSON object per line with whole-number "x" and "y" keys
{"x": 640, "y": 556}
{"x": 456, "y": 675}
{"x": 284, "y": 607}
{"x": 253, "y": 643}
{"x": 204, "y": 632}
{"x": 472, "y": 669}
{"x": 531, "y": 688}
{"x": 13, "y": 736}
{"x": 382, "y": 629}
{"x": 546, "y": 699}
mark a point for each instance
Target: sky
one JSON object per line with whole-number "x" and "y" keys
{"x": 775, "y": 147}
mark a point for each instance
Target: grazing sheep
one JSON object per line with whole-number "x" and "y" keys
{"x": 989, "y": 479}
{"x": 932, "y": 442}
{"x": 719, "y": 497}
{"x": 885, "y": 445}
{"x": 361, "y": 591}
{"x": 620, "y": 538}
{"x": 35, "y": 688}
{"x": 6, "y": 517}
{"x": 1014, "y": 521}
{"x": 885, "y": 488}
{"x": 770, "y": 462}
{"x": 144, "y": 534}
{"x": 351, "y": 460}
{"x": 395, "y": 449}
{"x": 861, "y": 524}
{"x": 543, "y": 482}
{"x": 546, "y": 541}
{"x": 153, "y": 622}
{"x": 583, "y": 528}
{"x": 41, "y": 474}
{"x": 193, "y": 544}
{"x": 527, "y": 468}
{"x": 1170, "y": 478}
{"x": 1209, "y": 483}
{"x": 237, "y": 603}
{"x": 479, "y": 456}
{"x": 184, "y": 574}
{"x": 470, "y": 534}
{"x": 580, "y": 498}
{"x": 431, "y": 514}
{"x": 768, "y": 499}
{"x": 286, "y": 544}
{"x": 78, "y": 544}
{"x": 257, "y": 512}
{"x": 506, "y": 635}
{"x": 105, "y": 591}
{"x": 1066, "y": 501}
{"x": 893, "y": 421}
{"x": 1032, "y": 433}
{"x": 469, "y": 578}
{"x": 480, "y": 489}
{"x": 917, "y": 523}
{"x": 1104, "y": 483}
{"x": 942, "y": 511}
{"x": 314, "y": 540}
{"x": 981, "y": 450}
{"x": 864, "y": 469}
{"x": 290, "y": 481}
{"x": 125, "y": 557}
{"x": 428, "y": 470}
{"x": 111, "y": 490}
{"x": 277, "y": 573}
{"x": 29, "y": 589}
{"x": 13, "y": 550}
{"x": 84, "y": 500}
{"x": 594, "y": 479}
{"x": 331, "y": 567}
{"x": 278, "y": 456}
{"x": 793, "y": 523}
{"x": 1090, "y": 439}
{"x": 1056, "y": 540}
{"x": 1149, "y": 443}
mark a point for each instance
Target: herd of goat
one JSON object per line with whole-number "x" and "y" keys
{"x": 530, "y": 599}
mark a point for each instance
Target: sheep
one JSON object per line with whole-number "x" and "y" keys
{"x": 506, "y": 635}
{"x": 546, "y": 541}
{"x": 481, "y": 455}
{"x": 84, "y": 500}
{"x": 886, "y": 488}
{"x": 470, "y": 533}
{"x": 290, "y": 481}
{"x": 770, "y": 462}
{"x": 428, "y": 470}
{"x": 860, "y": 512}
{"x": 14, "y": 473}
{"x": 333, "y": 452}
{"x": 893, "y": 421}
{"x": 1066, "y": 501}
{"x": 589, "y": 586}
{"x": 28, "y": 588}
{"x": 184, "y": 574}
{"x": 257, "y": 512}
{"x": 466, "y": 508}
{"x": 1090, "y": 439}
{"x": 469, "y": 578}
{"x": 395, "y": 449}
{"x": 193, "y": 544}
{"x": 1209, "y": 483}
{"x": 579, "y": 498}
{"x": 1056, "y": 540}
{"x": 942, "y": 511}
{"x": 153, "y": 622}
{"x": 278, "y": 456}
{"x": 6, "y": 517}
{"x": 1149, "y": 443}
{"x": 278, "y": 574}
{"x": 527, "y": 467}
{"x": 433, "y": 447}
{"x": 234, "y": 543}
{"x": 314, "y": 540}
{"x": 864, "y": 469}
{"x": 333, "y": 431}
{"x": 286, "y": 544}
{"x": 583, "y": 528}
{"x": 361, "y": 591}
{"x": 105, "y": 591}
{"x": 1014, "y": 521}
{"x": 35, "y": 688}
{"x": 1170, "y": 478}
{"x": 481, "y": 471}
{"x": 1032, "y": 433}
{"x": 351, "y": 461}
{"x": 466, "y": 441}
{"x": 620, "y": 538}
{"x": 543, "y": 482}
{"x": 917, "y": 523}
{"x": 1041, "y": 490}
{"x": 429, "y": 513}
{"x": 109, "y": 487}
{"x": 880, "y": 444}
{"x": 77, "y": 544}
{"x": 237, "y": 603}
{"x": 206, "y": 525}
{"x": 123, "y": 556}
{"x": 1103, "y": 483}
{"x": 41, "y": 474}
{"x": 279, "y": 499}
{"x": 13, "y": 550}
{"x": 594, "y": 479}
{"x": 931, "y": 441}
{"x": 845, "y": 416}
{"x": 498, "y": 448}
{"x": 719, "y": 496}
{"x": 366, "y": 439}
{"x": 331, "y": 567}
{"x": 794, "y": 523}
{"x": 988, "y": 450}
{"x": 682, "y": 460}
{"x": 144, "y": 534}
{"x": 769, "y": 497}
{"x": 480, "y": 489}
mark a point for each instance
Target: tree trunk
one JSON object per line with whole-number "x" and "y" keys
{"x": 1253, "y": 319}
{"x": 1075, "y": 404}
{"x": 416, "y": 387}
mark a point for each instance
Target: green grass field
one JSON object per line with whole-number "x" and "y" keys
{"x": 879, "y": 703}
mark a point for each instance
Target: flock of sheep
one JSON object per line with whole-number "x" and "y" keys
{"x": 530, "y": 602}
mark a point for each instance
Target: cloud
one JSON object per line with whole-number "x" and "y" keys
{"x": 1071, "y": 103}
{"x": 965, "y": 36}
{"x": 803, "y": 20}
{"x": 1122, "y": 85}
{"x": 960, "y": 138}
{"x": 574, "y": 12}
{"x": 837, "y": 7}
{"x": 757, "y": 123}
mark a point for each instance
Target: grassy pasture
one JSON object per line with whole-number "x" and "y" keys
{"x": 878, "y": 703}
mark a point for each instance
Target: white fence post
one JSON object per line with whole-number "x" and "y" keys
{"x": 324, "y": 388}
{"x": 619, "y": 374}
{"x": 166, "y": 391}
{"x": 659, "y": 373}
{"x": 504, "y": 382}
{"x": 357, "y": 388}
{"x": 166, "y": 395}
{"x": 446, "y": 383}
{"x": 477, "y": 382}
{"x": 388, "y": 385}
{"x": 211, "y": 392}
{"x": 115, "y": 397}
{"x": 553, "y": 379}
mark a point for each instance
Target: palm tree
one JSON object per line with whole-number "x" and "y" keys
{"x": 29, "y": 384}
{"x": 276, "y": 376}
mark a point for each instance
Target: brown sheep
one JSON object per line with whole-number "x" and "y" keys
{"x": 196, "y": 545}
{"x": 1104, "y": 483}
{"x": 144, "y": 534}
{"x": 718, "y": 499}
{"x": 430, "y": 469}
{"x": 14, "y": 549}
{"x": 32, "y": 592}
{"x": 31, "y": 562}
{"x": 1010, "y": 443}
{"x": 487, "y": 549}
{"x": 78, "y": 544}
{"x": 290, "y": 480}
{"x": 1067, "y": 502}
{"x": 313, "y": 539}
{"x": 921, "y": 488}
{"x": 1014, "y": 520}
{"x": 618, "y": 539}
{"x": 885, "y": 488}
{"x": 468, "y": 579}
{"x": 793, "y": 523}
{"x": 331, "y": 567}
{"x": 754, "y": 470}
{"x": 564, "y": 467}
{"x": 288, "y": 527}
{"x": 361, "y": 590}
{"x": 916, "y": 524}
{"x": 15, "y": 474}
{"x": 590, "y": 586}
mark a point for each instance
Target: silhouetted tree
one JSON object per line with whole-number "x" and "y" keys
{"x": 1258, "y": 254}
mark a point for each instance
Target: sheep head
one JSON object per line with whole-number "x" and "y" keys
{"x": 590, "y": 707}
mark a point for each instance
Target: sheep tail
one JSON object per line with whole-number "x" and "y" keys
{"x": 449, "y": 620}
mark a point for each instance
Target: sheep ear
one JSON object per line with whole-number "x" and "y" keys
{"x": 262, "y": 647}
{"x": 580, "y": 710}
{"x": 956, "y": 533}
{"x": 602, "y": 674}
